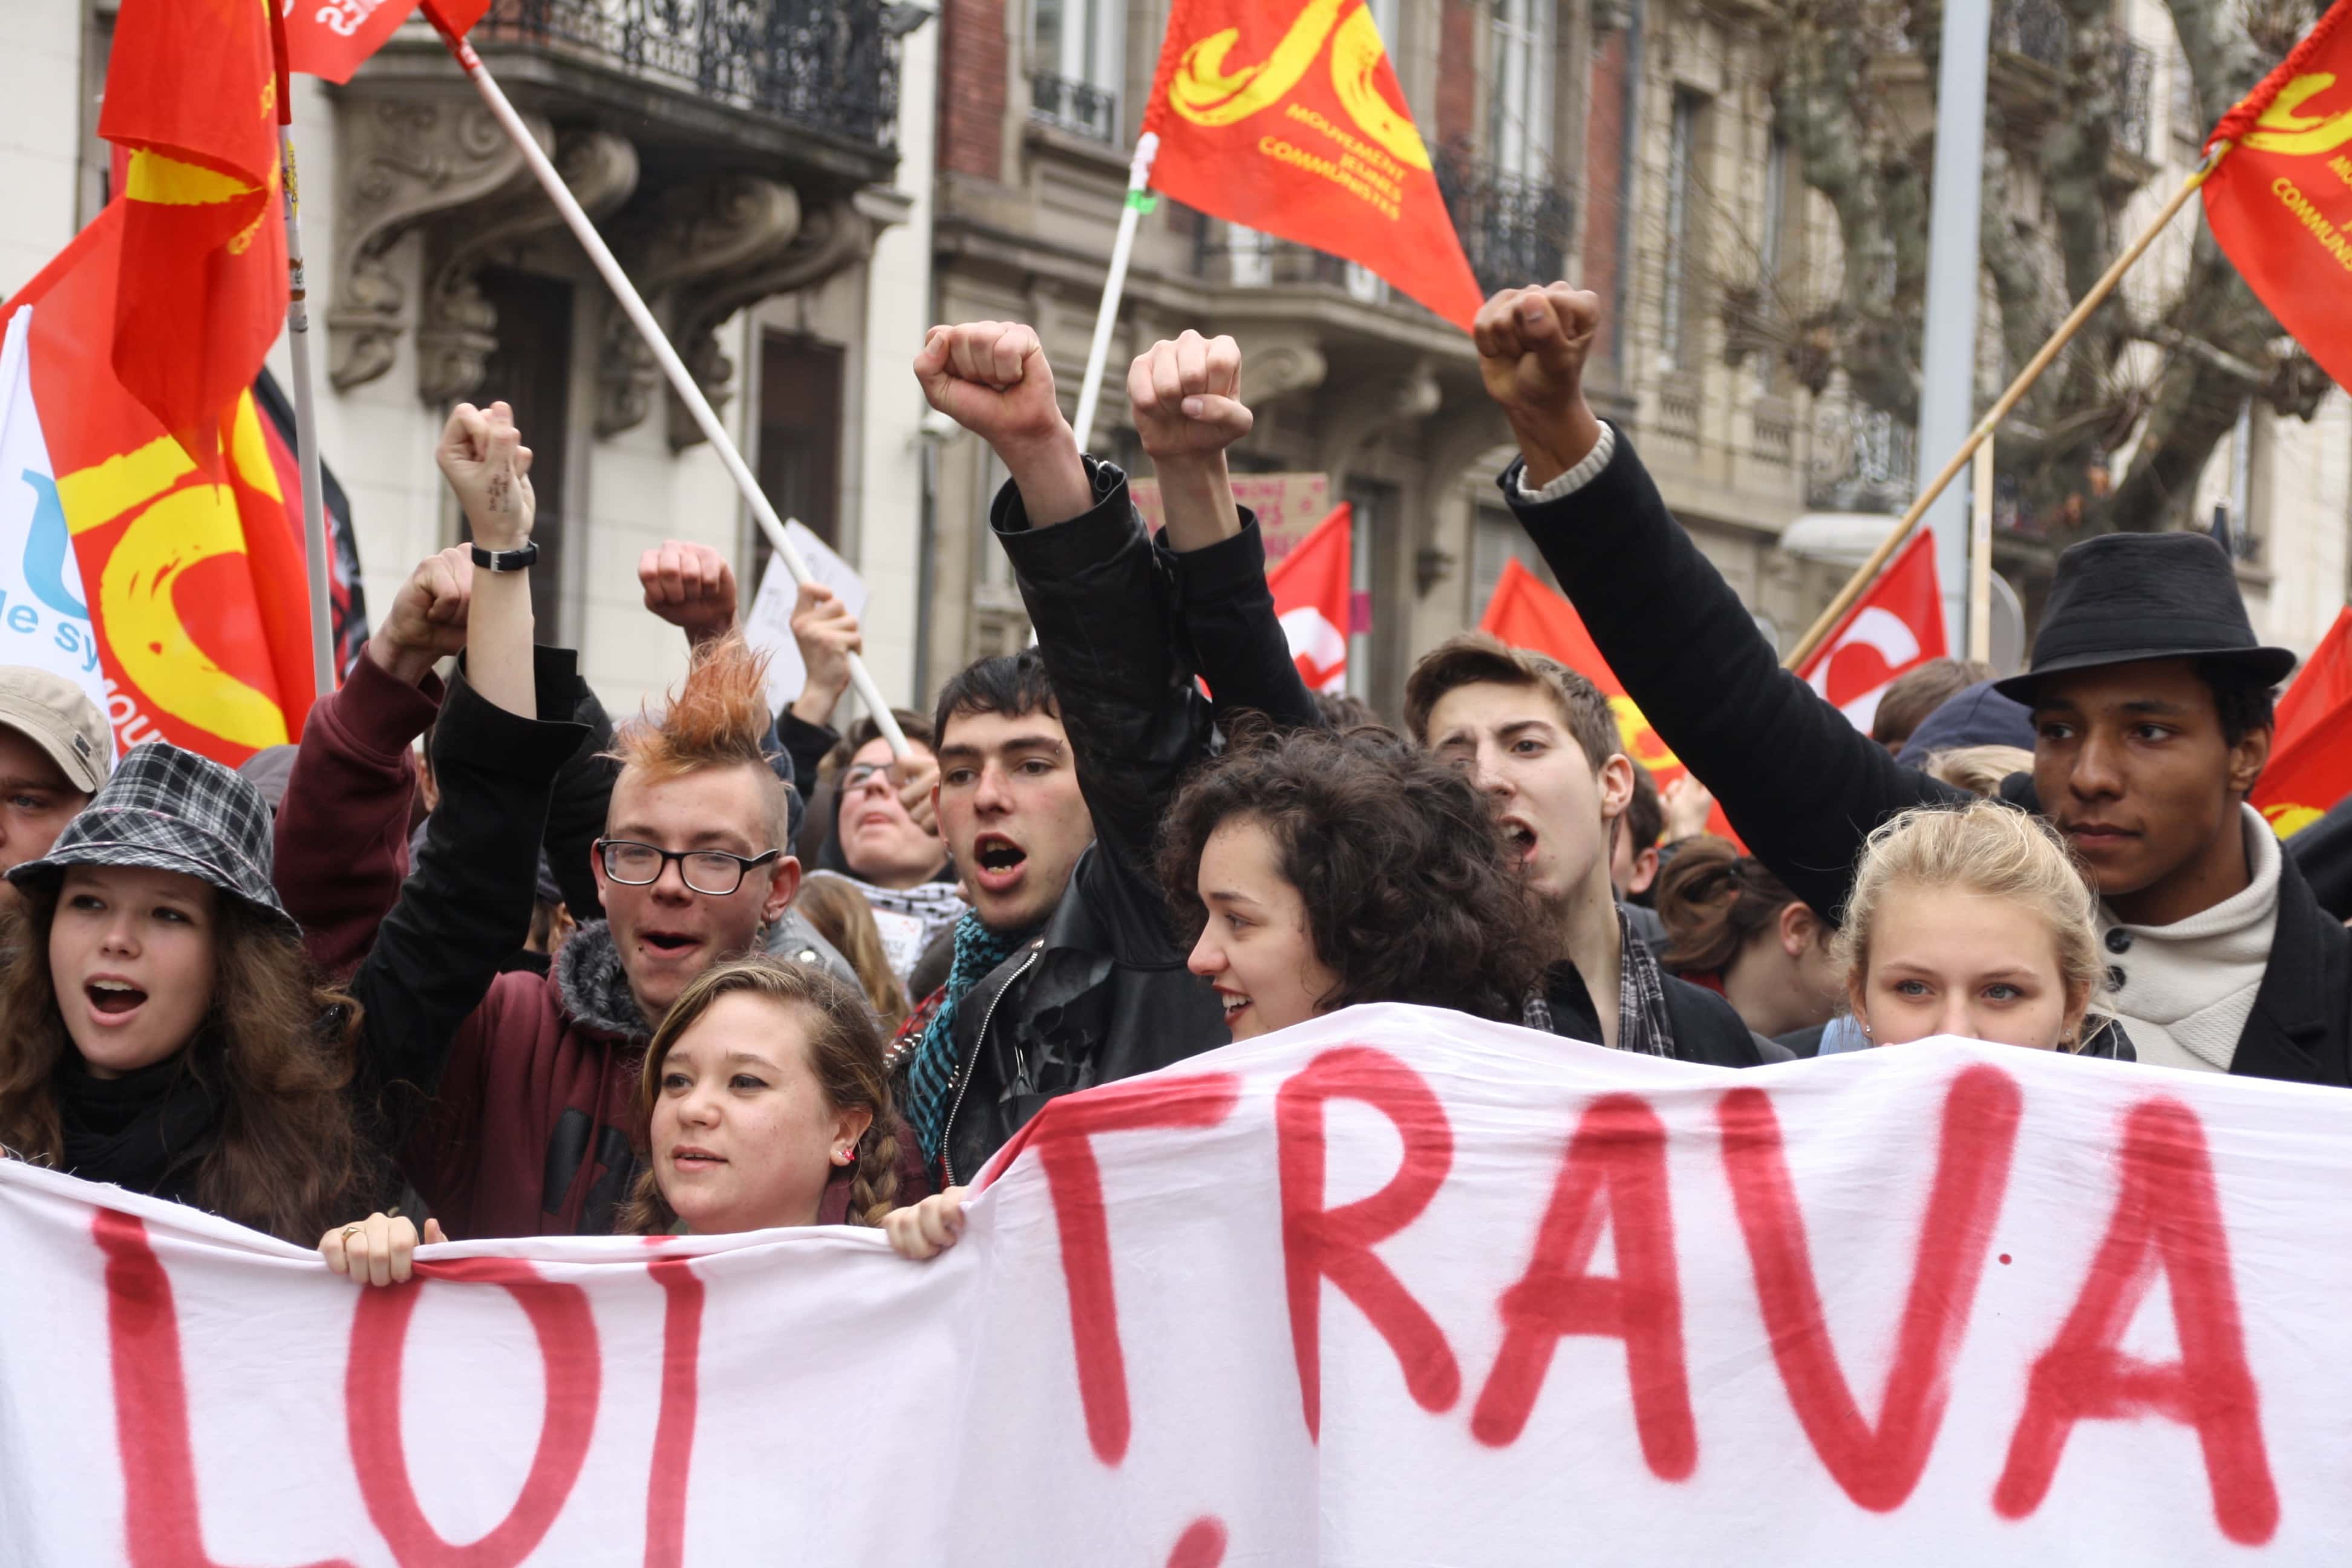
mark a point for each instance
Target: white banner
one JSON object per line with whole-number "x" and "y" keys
{"x": 768, "y": 627}
{"x": 1391, "y": 1289}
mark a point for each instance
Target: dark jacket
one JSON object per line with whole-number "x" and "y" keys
{"x": 1706, "y": 1027}
{"x": 1800, "y": 782}
{"x": 1102, "y": 992}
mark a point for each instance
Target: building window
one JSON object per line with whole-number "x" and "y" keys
{"x": 1519, "y": 129}
{"x": 1771, "y": 246}
{"x": 800, "y": 436}
{"x": 531, "y": 369}
{"x": 1080, "y": 59}
{"x": 1685, "y": 143}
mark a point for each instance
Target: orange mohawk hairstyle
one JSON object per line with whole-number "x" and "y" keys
{"x": 716, "y": 717}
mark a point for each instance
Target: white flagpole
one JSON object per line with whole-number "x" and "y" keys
{"x": 681, "y": 381}
{"x": 1139, "y": 184}
{"x": 306, "y": 423}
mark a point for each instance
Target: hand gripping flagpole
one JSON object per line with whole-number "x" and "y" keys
{"x": 706, "y": 418}
{"x": 1868, "y": 571}
{"x": 1138, "y": 202}
{"x": 306, "y": 414}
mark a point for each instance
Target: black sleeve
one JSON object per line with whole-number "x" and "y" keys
{"x": 2322, "y": 852}
{"x": 1800, "y": 782}
{"x": 1233, "y": 637}
{"x": 468, "y": 903}
{"x": 576, "y": 809}
{"x": 1100, "y": 594}
{"x": 806, "y": 745}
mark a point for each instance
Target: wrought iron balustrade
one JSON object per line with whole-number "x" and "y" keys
{"x": 1513, "y": 229}
{"x": 831, "y": 65}
{"x": 1074, "y": 106}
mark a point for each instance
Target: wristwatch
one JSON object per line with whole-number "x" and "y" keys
{"x": 506, "y": 560}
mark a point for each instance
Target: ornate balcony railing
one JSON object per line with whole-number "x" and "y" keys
{"x": 1074, "y": 106}
{"x": 1514, "y": 230}
{"x": 1863, "y": 460}
{"x": 2036, "y": 29}
{"x": 831, "y": 65}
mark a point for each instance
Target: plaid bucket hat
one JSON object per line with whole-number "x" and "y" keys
{"x": 173, "y": 810}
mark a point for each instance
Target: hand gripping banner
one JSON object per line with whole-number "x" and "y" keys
{"x": 1396, "y": 1287}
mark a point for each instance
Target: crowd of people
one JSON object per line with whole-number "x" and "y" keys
{"x": 716, "y": 969}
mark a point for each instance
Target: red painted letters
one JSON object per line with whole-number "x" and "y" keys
{"x": 1062, "y": 1135}
{"x": 674, "y": 1430}
{"x": 1202, "y": 1545}
{"x": 1337, "y": 1244}
{"x": 574, "y": 1368}
{"x": 1877, "y": 1466}
{"x": 163, "y": 1526}
{"x": 2168, "y": 1215}
{"x": 1617, "y": 1155}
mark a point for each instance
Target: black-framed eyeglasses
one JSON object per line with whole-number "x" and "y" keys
{"x": 714, "y": 872}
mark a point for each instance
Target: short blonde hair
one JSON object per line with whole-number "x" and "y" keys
{"x": 1980, "y": 848}
{"x": 1978, "y": 770}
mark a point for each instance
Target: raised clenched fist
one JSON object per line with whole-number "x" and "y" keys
{"x": 689, "y": 585}
{"x": 1532, "y": 345}
{"x": 1184, "y": 396}
{"x": 991, "y": 378}
{"x": 482, "y": 455}
{"x": 428, "y": 619}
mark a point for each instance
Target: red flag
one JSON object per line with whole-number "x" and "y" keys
{"x": 194, "y": 580}
{"x": 2279, "y": 200}
{"x": 1313, "y": 590}
{"x": 1894, "y": 627}
{"x": 335, "y": 38}
{"x": 1287, "y": 117}
{"x": 2311, "y": 752}
{"x": 1525, "y": 613}
{"x": 192, "y": 95}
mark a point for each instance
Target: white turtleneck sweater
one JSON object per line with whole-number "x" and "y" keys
{"x": 2188, "y": 988}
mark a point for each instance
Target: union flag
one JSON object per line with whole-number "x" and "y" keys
{"x": 2311, "y": 750}
{"x": 192, "y": 97}
{"x": 1894, "y": 627}
{"x": 2279, "y": 200}
{"x": 192, "y": 578}
{"x": 1287, "y": 117}
{"x": 1312, "y": 593}
{"x": 333, "y": 39}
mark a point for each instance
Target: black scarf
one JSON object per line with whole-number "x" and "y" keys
{"x": 144, "y": 1131}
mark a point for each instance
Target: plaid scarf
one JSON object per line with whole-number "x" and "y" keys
{"x": 932, "y": 1073}
{"x": 1642, "y": 1024}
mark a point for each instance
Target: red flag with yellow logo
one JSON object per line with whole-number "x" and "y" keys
{"x": 1287, "y": 117}
{"x": 1525, "y": 613}
{"x": 2311, "y": 753}
{"x": 192, "y": 96}
{"x": 194, "y": 582}
{"x": 2279, "y": 200}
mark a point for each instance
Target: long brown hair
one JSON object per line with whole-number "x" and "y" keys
{"x": 843, "y": 916}
{"x": 1713, "y": 902}
{"x": 274, "y": 1052}
{"x": 844, "y": 1051}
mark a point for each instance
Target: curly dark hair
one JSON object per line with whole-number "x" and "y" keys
{"x": 1410, "y": 896}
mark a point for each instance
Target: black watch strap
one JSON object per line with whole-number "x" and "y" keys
{"x": 506, "y": 560}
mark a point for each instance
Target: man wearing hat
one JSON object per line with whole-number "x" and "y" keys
{"x": 53, "y": 755}
{"x": 2151, "y": 697}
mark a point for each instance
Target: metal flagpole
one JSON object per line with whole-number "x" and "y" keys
{"x": 681, "y": 381}
{"x": 1138, "y": 202}
{"x": 1980, "y": 557}
{"x": 298, "y": 344}
{"x": 2007, "y": 400}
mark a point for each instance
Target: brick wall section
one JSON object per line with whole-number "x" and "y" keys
{"x": 1604, "y": 151}
{"x": 972, "y": 84}
{"x": 1457, "y": 73}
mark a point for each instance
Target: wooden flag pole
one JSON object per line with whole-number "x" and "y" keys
{"x": 1138, "y": 202}
{"x": 1870, "y": 569}
{"x": 306, "y": 408}
{"x": 706, "y": 418}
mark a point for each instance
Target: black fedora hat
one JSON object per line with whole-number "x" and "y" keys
{"x": 2122, "y": 597}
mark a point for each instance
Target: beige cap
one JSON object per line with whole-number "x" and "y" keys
{"x": 59, "y": 718}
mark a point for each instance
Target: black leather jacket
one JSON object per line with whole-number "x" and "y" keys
{"x": 1102, "y": 992}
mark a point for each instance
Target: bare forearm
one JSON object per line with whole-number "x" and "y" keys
{"x": 1196, "y": 499}
{"x": 1051, "y": 477}
{"x": 499, "y": 633}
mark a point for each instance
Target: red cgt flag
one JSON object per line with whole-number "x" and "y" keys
{"x": 334, "y": 38}
{"x": 2279, "y": 200}
{"x": 2311, "y": 756}
{"x": 192, "y": 96}
{"x": 1287, "y": 117}
{"x": 1894, "y": 627}
{"x": 1313, "y": 589}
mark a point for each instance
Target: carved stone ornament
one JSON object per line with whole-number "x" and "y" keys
{"x": 677, "y": 249}
{"x": 458, "y": 329}
{"x": 1274, "y": 368}
{"x": 401, "y": 161}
